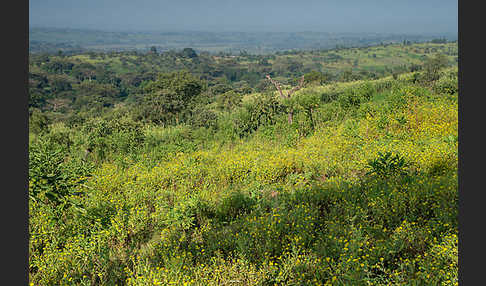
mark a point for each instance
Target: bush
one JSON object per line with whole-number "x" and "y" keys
{"x": 202, "y": 116}
{"x": 262, "y": 111}
{"x": 105, "y": 136}
{"x": 432, "y": 67}
{"x": 38, "y": 122}
{"x": 236, "y": 204}
{"x": 387, "y": 164}
{"x": 191, "y": 205}
{"x": 52, "y": 173}
{"x": 329, "y": 96}
{"x": 447, "y": 85}
{"x": 229, "y": 100}
{"x": 351, "y": 98}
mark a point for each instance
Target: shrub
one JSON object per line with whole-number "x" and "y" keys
{"x": 349, "y": 99}
{"x": 329, "y": 96}
{"x": 229, "y": 100}
{"x": 446, "y": 85}
{"x": 387, "y": 164}
{"x": 105, "y": 136}
{"x": 432, "y": 67}
{"x": 273, "y": 208}
{"x": 262, "y": 111}
{"x": 52, "y": 174}
{"x": 234, "y": 205}
{"x": 38, "y": 122}
{"x": 202, "y": 116}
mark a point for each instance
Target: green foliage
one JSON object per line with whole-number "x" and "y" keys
{"x": 38, "y": 122}
{"x": 432, "y": 67}
{"x": 447, "y": 84}
{"x": 204, "y": 116}
{"x": 95, "y": 82}
{"x": 52, "y": 174}
{"x": 95, "y": 95}
{"x": 316, "y": 77}
{"x": 166, "y": 99}
{"x": 263, "y": 110}
{"x": 329, "y": 96}
{"x": 235, "y": 205}
{"x": 182, "y": 83}
{"x": 229, "y": 100}
{"x": 234, "y": 194}
{"x": 189, "y": 53}
{"x": 105, "y": 136}
{"x": 353, "y": 97}
{"x": 388, "y": 164}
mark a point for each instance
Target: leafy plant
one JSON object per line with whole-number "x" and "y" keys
{"x": 387, "y": 164}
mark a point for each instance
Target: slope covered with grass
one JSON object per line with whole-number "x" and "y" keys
{"x": 360, "y": 190}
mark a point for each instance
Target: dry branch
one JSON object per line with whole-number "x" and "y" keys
{"x": 289, "y": 93}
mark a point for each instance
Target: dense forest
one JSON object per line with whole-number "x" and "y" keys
{"x": 318, "y": 167}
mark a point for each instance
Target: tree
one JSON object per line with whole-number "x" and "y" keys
{"x": 220, "y": 88}
{"x": 36, "y": 98}
{"x": 277, "y": 85}
{"x": 84, "y": 71}
{"x": 439, "y": 41}
{"x": 189, "y": 53}
{"x": 168, "y": 98}
{"x": 60, "y": 83}
{"x": 432, "y": 67}
{"x": 308, "y": 101}
{"x": 347, "y": 75}
{"x": 316, "y": 77}
{"x": 58, "y": 66}
{"x": 38, "y": 121}
{"x": 92, "y": 94}
{"x": 228, "y": 100}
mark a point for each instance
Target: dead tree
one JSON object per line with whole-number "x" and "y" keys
{"x": 289, "y": 93}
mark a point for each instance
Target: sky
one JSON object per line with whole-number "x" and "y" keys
{"x": 373, "y": 16}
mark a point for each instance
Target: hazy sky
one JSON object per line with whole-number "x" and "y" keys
{"x": 389, "y": 16}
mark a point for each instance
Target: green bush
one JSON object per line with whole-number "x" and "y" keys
{"x": 38, "y": 122}
{"x": 202, "y": 116}
{"x": 236, "y": 204}
{"x": 387, "y": 164}
{"x": 264, "y": 110}
{"x": 447, "y": 85}
{"x": 53, "y": 174}
{"x": 105, "y": 136}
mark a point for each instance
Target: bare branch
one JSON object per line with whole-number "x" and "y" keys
{"x": 277, "y": 85}
{"x": 301, "y": 84}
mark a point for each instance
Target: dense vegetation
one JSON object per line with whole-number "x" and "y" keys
{"x": 90, "y": 83}
{"x": 192, "y": 178}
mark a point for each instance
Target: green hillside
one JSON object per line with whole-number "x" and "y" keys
{"x": 184, "y": 180}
